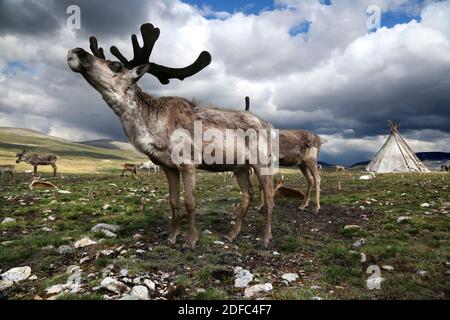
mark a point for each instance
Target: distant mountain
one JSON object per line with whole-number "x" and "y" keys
{"x": 325, "y": 164}
{"x": 109, "y": 144}
{"x": 13, "y": 140}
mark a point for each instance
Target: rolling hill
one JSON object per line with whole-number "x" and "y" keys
{"x": 74, "y": 156}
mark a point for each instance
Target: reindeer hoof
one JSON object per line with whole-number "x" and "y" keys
{"x": 229, "y": 237}
{"x": 172, "y": 240}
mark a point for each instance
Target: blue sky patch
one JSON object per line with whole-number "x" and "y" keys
{"x": 14, "y": 66}
{"x": 300, "y": 28}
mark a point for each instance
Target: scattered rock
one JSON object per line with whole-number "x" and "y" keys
{"x": 351, "y": 227}
{"x": 242, "y": 277}
{"x": 422, "y": 274}
{"x": 403, "y": 219}
{"x": 124, "y": 272}
{"x": 141, "y": 292}
{"x": 55, "y": 289}
{"x": 290, "y": 277}
{"x": 84, "y": 243}
{"x": 387, "y": 268}
{"x": 150, "y": 284}
{"x": 219, "y": 243}
{"x": 359, "y": 243}
{"x": 425, "y": 205}
{"x": 207, "y": 232}
{"x": 114, "y": 285}
{"x": 106, "y": 207}
{"x": 106, "y": 252}
{"x": 8, "y": 220}
{"x": 5, "y": 284}
{"x": 16, "y": 274}
{"x": 363, "y": 258}
{"x": 259, "y": 288}
{"x": 105, "y": 226}
{"x": 316, "y": 298}
{"x": 276, "y": 253}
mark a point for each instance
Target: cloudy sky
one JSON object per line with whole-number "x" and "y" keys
{"x": 305, "y": 64}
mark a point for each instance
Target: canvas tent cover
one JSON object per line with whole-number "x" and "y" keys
{"x": 396, "y": 155}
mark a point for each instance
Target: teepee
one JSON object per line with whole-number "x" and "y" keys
{"x": 396, "y": 155}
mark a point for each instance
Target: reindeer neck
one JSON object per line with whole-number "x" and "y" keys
{"x": 139, "y": 113}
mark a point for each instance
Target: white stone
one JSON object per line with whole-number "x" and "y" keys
{"x": 425, "y": 205}
{"x": 363, "y": 258}
{"x": 55, "y": 289}
{"x": 105, "y": 226}
{"x": 5, "y": 284}
{"x": 387, "y": 268}
{"x": 17, "y": 274}
{"x": 140, "y": 292}
{"x": 84, "y": 243}
{"x": 351, "y": 227}
{"x": 403, "y": 219}
{"x": 422, "y": 273}
{"x": 107, "y": 252}
{"x": 8, "y": 220}
{"x": 220, "y": 243}
{"x": 106, "y": 207}
{"x": 207, "y": 232}
{"x": 359, "y": 243}
{"x": 242, "y": 278}
{"x": 124, "y": 272}
{"x": 259, "y": 288}
{"x": 290, "y": 277}
{"x": 114, "y": 285}
{"x": 150, "y": 284}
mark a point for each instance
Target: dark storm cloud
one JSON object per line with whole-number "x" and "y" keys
{"x": 29, "y": 17}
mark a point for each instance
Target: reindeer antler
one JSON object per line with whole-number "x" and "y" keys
{"x": 141, "y": 55}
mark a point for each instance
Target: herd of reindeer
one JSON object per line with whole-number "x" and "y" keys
{"x": 149, "y": 122}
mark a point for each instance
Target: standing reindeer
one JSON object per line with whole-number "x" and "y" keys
{"x": 129, "y": 167}
{"x": 300, "y": 148}
{"x": 38, "y": 160}
{"x": 150, "y": 123}
{"x": 11, "y": 169}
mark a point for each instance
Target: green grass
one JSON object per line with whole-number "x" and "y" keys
{"x": 324, "y": 258}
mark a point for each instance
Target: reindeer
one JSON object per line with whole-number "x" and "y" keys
{"x": 150, "y": 124}
{"x": 11, "y": 169}
{"x": 340, "y": 168}
{"x": 280, "y": 190}
{"x": 300, "y": 148}
{"x": 445, "y": 168}
{"x": 38, "y": 160}
{"x": 37, "y": 183}
{"x": 129, "y": 167}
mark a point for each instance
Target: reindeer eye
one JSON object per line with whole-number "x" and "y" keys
{"x": 115, "y": 66}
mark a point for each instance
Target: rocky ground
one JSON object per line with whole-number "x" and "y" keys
{"x": 386, "y": 238}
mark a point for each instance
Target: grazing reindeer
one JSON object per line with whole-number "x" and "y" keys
{"x": 300, "y": 148}
{"x": 129, "y": 167}
{"x": 319, "y": 168}
{"x": 11, "y": 169}
{"x": 150, "y": 123}
{"x": 340, "y": 168}
{"x": 38, "y": 160}
{"x": 445, "y": 168}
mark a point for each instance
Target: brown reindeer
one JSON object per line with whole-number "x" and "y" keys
{"x": 280, "y": 190}
{"x": 150, "y": 123}
{"x": 38, "y": 160}
{"x": 11, "y": 169}
{"x": 300, "y": 148}
{"x": 129, "y": 167}
{"x": 37, "y": 183}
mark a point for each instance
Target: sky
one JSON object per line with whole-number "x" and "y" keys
{"x": 305, "y": 64}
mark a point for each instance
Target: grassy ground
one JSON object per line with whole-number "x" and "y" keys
{"x": 316, "y": 247}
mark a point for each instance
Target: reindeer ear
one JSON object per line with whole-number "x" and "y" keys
{"x": 137, "y": 72}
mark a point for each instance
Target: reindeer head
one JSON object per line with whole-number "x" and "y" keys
{"x": 20, "y": 156}
{"x": 109, "y": 75}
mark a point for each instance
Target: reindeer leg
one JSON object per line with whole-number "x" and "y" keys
{"x": 173, "y": 179}
{"x": 188, "y": 175}
{"x": 267, "y": 187}
{"x": 243, "y": 179}
{"x": 312, "y": 167}
{"x": 54, "y": 169}
{"x": 35, "y": 171}
{"x": 309, "y": 179}
{"x": 261, "y": 199}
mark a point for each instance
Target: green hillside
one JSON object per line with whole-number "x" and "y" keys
{"x": 74, "y": 156}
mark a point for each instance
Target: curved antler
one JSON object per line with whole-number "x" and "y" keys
{"x": 141, "y": 55}
{"x": 96, "y": 51}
